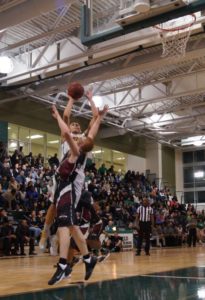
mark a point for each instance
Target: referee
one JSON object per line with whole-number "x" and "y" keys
{"x": 145, "y": 220}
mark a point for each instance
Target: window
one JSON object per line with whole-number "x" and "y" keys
{"x": 189, "y": 197}
{"x": 187, "y": 157}
{"x": 53, "y": 145}
{"x": 36, "y": 139}
{"x": 97, "y": 156}
{"x": 188, "y": 177}
{"x": 12, "y": 138}
{"x": 24, "y": 140}
{"x": 199, "y": 155}
{"x": 119, "y": 160}
{"x": 201, "y": 197}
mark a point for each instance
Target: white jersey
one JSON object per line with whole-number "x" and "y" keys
{"x": 64, "y": 149}
{"x": 80, "y": 177}
{"x": 65, "y": 146}
{"x": 79, "y": 180}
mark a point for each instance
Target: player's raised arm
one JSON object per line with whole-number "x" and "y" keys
{"x": 96, "y": 124}
{"x": 75, "y": 92}
{"x": 89, "y": 95}
{"x": 67, "y": 111}
{"x": 65, "y": 132}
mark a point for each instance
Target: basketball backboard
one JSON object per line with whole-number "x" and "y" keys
{"x": 119, "y": 17}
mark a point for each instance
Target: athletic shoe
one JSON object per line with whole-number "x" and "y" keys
{"x": 89, "y": 267}
{"x": 103, "y": 257}
{"x": 60, "y": 274}
{"x": 43, "y": 241}
{"x": 69, "y": 275}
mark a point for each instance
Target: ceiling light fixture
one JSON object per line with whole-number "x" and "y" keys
{"x": 97, "y": 151}
{"x": 35, "y": 136}
{"x": 198, "y": 143}
{"x": 6, "y": 65}
{"x": 98, "y": 101}
{"x": 155, "y": 117}
{"x": 199, "y": 174}
{"x": 13, "y": 145}
{"x": 54, "y": 142}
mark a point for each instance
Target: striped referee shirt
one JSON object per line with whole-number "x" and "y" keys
{"x": 145, "y": 213}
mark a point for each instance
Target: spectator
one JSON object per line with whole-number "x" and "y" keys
{"x": 8, "y": 197}
{"x": 54, "y": 161}
{"x": 3, "y": 152}
{"x": 102, "y": 170}
{"x": 9, "y": 238}
{"x": 192, "y": 223}
{"x": 23, "y": 234}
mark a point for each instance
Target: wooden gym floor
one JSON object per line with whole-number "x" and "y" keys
{"x": 171, "y": 273}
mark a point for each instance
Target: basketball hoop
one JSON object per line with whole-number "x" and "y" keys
{"x": 175, "y": 35}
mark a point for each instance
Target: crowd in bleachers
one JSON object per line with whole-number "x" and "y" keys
{"x": 24, "y": 200}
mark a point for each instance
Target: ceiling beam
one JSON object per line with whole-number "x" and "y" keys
{"x": 28, "y": 10}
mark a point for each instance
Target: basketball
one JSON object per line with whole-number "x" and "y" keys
{"x": 76, "y": 90}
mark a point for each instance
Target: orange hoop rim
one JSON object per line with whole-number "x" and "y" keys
{"x": 190, "y": 24}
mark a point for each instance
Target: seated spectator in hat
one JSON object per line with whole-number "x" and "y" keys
{"x": 24, "y": 236}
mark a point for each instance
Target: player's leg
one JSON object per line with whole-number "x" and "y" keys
{"x": 90, "y": 261}
{"x": 63, "y": 269}
{"x": 65, "y": 213}
{"x": 50, "y": 216}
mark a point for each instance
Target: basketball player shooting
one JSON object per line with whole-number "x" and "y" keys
{"x": 65, "y": 202}
{"x": 76, "y": 133}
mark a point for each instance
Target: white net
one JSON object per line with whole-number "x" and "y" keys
{"x": 175, "y": 35}
{"x": 174, "y": 45}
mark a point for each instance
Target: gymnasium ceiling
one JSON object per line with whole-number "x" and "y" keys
{"x": 149, "y": 96}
